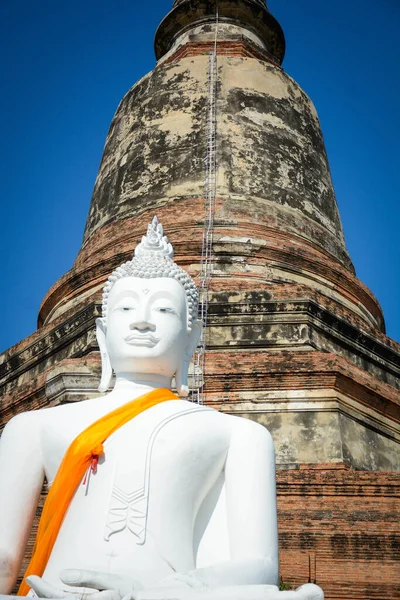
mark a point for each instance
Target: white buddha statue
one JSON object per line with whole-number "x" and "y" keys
{"x": 182, "y": 504}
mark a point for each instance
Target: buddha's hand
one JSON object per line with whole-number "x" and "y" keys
{"x": 182, "y": 580}
{"x": 104, "y": 585}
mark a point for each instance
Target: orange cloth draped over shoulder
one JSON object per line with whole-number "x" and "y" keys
{"x": 79, "y": 457}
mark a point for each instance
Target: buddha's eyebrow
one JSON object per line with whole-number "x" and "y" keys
{"x": 126, "y": 295}
{"x": 161, "y": 295}
{"x": 167, "y": 296}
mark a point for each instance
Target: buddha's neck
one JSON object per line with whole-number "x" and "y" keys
{"x": 132, "y": 385}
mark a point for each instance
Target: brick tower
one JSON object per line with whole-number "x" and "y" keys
{"x": 294, "y": 339}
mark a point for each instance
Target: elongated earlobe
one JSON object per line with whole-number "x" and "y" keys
{"x": 182, "y": 374}
{"x": 181, "y": 379}
{"x": 106, "y": 370}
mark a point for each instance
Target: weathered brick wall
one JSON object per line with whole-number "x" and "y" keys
{"x": 340, "y": 529}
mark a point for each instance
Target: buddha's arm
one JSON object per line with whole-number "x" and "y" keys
{"x": 21, "y": 480}
{"x": 251, "y": 499}
{"x": 251, "y": 513}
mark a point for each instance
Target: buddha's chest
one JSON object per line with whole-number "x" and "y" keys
{"x": 160, "y": 471}
{"x": 154, "y": 473}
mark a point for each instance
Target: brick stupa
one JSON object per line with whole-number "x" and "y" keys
{"x": 295, "y": 340}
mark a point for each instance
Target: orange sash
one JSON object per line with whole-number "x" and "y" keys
{"x": 81, "y": 455}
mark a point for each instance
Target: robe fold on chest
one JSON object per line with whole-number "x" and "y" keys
{"x": 81, "y": 456}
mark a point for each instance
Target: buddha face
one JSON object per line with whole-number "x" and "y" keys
{"x": 146, "y": 330}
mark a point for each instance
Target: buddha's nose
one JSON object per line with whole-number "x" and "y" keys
{"x": 141, "y": 319}
{"x": 142, "y": 325}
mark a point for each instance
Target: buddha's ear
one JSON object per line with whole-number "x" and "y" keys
{"x": 182, "y": 374}
{"x": 106, "y": 370}
{"x": 194, "y": 338}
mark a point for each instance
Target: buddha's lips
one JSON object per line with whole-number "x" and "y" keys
{"x": 142, "y": 339}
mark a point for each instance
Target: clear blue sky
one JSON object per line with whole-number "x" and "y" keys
{"x": 66, "y": 66}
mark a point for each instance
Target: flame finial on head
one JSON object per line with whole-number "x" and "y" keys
{"x": 154, "y": 241}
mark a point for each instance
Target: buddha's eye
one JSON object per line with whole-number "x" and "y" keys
{"x": 164, "y": 309}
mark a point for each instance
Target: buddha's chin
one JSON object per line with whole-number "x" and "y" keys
{"x": 146, "y": 361}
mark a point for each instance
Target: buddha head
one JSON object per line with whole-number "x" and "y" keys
{"x": 149, "y": 325}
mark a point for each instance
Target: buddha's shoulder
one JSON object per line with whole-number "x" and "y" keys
{"x": 25, "y": 421}
{"x": 233, "y": 422}
{"x": 245, "y": 428}
{"x": 193, "y": 411}
{"x": 185, "y": 407}
{"x": 31, "y": 423}
{"x": 53, "y": 414}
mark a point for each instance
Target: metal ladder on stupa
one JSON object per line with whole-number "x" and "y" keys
{"x": 210, "y": 186}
